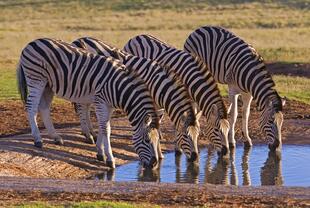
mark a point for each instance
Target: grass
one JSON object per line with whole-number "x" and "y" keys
{"x": 296, "y": 88}
{"x": 279, "y": 29}
{"x": 96, "y": 204}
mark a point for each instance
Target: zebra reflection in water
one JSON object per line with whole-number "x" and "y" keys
{"x": 190, "y": 175}
{"x": 217, "y": 174}
{"x": 215, "y": 171}
{"x": 108, "y": 175}
{"x": 271, "y": 172}
{"x": 148, "y": 174}
{"x": 245, "y": 166}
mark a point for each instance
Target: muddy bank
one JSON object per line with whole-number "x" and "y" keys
{"x": 26, "y": 189}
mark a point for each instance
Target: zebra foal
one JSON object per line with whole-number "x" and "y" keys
{"x": 49, "y": 67}
{"x": 234, "y": 62}
{"x": 166, "y": 92}
{"x": 198, "y": 81}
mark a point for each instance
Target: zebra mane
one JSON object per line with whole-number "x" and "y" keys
{"x": 147, "y": 36}
{"x": 222, "y": 110}
{"x": 276, "y": 101}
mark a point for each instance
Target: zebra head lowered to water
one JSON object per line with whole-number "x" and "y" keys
{"x": 200, "y": 84}
{"x": 49, "y": 67}
{"x": 234, "y": 62}
{"x": 166, "y": 91}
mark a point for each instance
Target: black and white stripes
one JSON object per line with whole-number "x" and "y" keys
{"x": 167, "y": 92}
{"x": 198, "y": 81}
{"x": 234, "y": 62}
{"x": 50, "y": 67}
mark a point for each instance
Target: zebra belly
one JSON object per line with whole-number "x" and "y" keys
{"x": 87, "y": 99}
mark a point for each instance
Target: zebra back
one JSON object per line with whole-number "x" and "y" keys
{"x": 233, "y": 61}
{"x": 166, "y": 91}
{"x": 79, "y": 76}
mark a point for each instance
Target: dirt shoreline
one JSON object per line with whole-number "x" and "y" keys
{"x": 28, "y": 189}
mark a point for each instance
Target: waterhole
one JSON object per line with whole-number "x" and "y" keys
{"x": 255, "y": 166}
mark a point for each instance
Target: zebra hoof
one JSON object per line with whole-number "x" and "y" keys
{"x": 177, "y": 153}
{"x": 59, "y": 142}
{"x": 38, "y": 144}
{"x": 100, "y": 157}
{"x": 247, "y": 144}
{"x": 110, "y": 164}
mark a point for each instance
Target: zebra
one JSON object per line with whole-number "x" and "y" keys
{"x": 198, "y": 81}
{"x": 49, "y": 66}
{"x": 234, "y": 62}
{"x": 166, "y": 92}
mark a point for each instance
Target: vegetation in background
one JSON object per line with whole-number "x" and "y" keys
{"x": 278, "y": 29}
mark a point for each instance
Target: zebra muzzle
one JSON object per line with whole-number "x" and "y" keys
{"x": 193, "y": 158}
{"x": 224, "y": 152}
{"x": 151, "y": 164}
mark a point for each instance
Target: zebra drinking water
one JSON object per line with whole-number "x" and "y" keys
{"x": 234, "y": 62}
{"x": 166, "y": 92}
{"x": 50, "y": 66}
{"x": 199, "y": 82}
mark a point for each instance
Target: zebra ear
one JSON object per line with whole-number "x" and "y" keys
{"x": 160, "y": 114}
{"x": 148, "y": 119}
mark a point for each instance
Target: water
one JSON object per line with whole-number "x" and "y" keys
{"x": 256, "y": 166}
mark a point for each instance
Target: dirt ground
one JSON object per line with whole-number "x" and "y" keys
{"x": 76, "y": 159}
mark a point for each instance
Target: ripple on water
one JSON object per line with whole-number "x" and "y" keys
{"x": 255, "y": 166}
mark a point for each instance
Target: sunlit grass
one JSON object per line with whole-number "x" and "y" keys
{"x": 279, "y": 30}
{"x": 296, "y": 88}
{"x": 96, "y": 204}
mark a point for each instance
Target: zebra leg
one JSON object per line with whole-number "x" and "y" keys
{"x": 177, "y": 149}
{"x": 83, "y": 112}
{"x": 33, "y": 100}
{"x": 160, "y": 154}
{"x": 160, "y": 114}
{"x": 233, "y": 97}
{"x": 246, "y": 99}
{"x": 90, "y": 126}
{"x": 44, "y": 108}
{"x": 103, "y": 113}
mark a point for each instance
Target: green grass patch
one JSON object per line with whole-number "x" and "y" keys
{"x": 8, "y": 85}
{"x": 278, "y": 29}
{"x": 295, "y": 88}
{"x": 96, "y": 204}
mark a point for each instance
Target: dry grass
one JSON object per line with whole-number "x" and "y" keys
{"x": 280, "y": 30}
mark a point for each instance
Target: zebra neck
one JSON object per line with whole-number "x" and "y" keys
{"x": 269, "y": 99}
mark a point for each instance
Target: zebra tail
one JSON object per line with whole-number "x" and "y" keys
{"x": 21, "y": 83}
